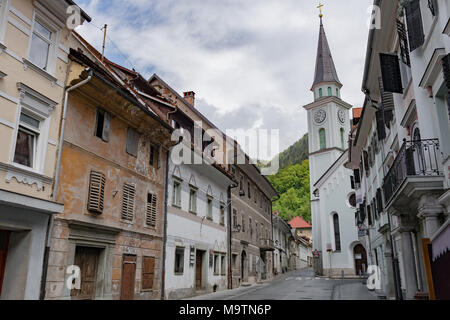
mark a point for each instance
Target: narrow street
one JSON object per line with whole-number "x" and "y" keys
{"x": 297, "y": 285}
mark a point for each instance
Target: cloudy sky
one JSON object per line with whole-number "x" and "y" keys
{"x": 250, "y": 62}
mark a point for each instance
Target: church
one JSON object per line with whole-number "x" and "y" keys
{"x": 333, "y": 202}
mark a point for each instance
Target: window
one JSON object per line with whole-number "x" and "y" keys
{"x": 132, "y": 142}
{"x": 234, "y": 260}
{"x": 330, "y": 93}
{"x": 222, "y": 214}
{"x": 96, "y": 192}
{"x": 256, "y": 196}
{"x": 209, "y": 208}
{"x": 216, "y": 264}
{"x": 243, "y": 224}
{"x": 152, "y": 201}
{"x": 337, "y": 234}
{"x": 148, "y": 272}
{"x": 322, "y": 139}
{"x": 250, "y": 226}
{"x": 179, "y": 260}
{"x": 222, "y": 265}
{"x": 352, "y": 200}
{"x": 155, "y": 156}
{"x": 249, "y": 190}
{"x": 102, "y": 125}
{"x": 343, "y": 138}
{"x": 193, "y": 200}
{"x": 320, "y": 93}
{"x": 42, "y": 45}
{"x": 176, "y": 194}
{"x": 128, "y": 202}
{"x": 234, "y": 218}
{"x": 26, "y": 142}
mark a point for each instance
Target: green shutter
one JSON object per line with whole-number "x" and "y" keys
{"x": 323, "y": 139}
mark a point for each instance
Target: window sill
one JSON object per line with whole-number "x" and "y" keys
{"x": 2, "y": 47}
{"x": 193, "y": 212}
{"x": 176, "y": 206}
{"x": 178, "y": 273}
{"x": 28, "y": 64}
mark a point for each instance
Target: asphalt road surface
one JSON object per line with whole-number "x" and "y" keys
{"x": 298, "y": 285}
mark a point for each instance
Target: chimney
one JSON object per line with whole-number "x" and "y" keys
{"x": 190, "y": 97}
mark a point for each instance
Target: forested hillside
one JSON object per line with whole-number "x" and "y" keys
{"x": 292, "y": 182}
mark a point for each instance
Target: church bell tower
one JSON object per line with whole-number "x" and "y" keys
{"x": 328, "y": 115}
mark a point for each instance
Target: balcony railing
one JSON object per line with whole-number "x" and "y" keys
{"x": 416, "y": 159}
{"x": 266, "y": 244}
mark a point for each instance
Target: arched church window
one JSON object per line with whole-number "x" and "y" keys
{"x": 320, "y": 93}
{"x": 329, "y": 92}
{"x": 342, "y": 138}
{"x": 323, "y": 139}
{"x": 337, "y": 234}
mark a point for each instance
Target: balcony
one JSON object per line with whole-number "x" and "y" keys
{"x": 266, "y": 245}
{"x": 416, "y": 170}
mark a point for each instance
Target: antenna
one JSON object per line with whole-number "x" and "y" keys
{"x": 104, "y": 41}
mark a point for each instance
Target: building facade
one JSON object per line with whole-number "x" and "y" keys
{"x": 400, "y": 151}
{"x": 282, "y": 239}
{"x": 34, "y": 43}
{"x": 334, "y": 233}
{"x": 112, "y": 175}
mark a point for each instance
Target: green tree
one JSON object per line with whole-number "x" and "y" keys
{"x": 292, "y": 184}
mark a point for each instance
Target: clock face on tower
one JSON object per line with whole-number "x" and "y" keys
{"x": 341, "y": 116}
{"x": 320, "y": 116}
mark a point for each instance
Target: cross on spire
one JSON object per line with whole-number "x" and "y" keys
{"x": 320, "y": 6}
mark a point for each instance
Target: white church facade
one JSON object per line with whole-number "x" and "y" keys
{"x": 335, "y": 235}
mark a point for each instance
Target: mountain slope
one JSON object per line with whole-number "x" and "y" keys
{"x": 295, "y": 154}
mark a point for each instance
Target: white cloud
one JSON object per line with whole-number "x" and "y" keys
{"x": 249, "y": 60}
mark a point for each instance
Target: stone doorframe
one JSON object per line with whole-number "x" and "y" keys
{"x": 95, "y": 236}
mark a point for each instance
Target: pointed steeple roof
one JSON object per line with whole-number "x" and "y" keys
{"x": 325, "y": 69}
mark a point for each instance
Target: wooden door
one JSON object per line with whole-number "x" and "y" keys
{"x": 198, "y": 269}
{"x": 87, "y": 259}
{"x": 4, "y": 241}
{"x": 128, "y": 277}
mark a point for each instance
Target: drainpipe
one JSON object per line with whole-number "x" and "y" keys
{"x": 163, "y": 263}
{"x": 56, "y": 184}
{"x": 271, "y": 227}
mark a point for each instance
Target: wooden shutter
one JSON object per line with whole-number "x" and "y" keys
{"x": 380, "y": 201}
{"x": 128, "y": 202}
{"x": 151, "y": 210}
{"x": 96, "y": 192}
{"x": 415, "y": 26}
{"x": 148, "y": 272}
{"x": 446, "y": 71}
{"x": 390, "y": 71}
{"x": 381, "y": 128}
{"x": 132, "y": 142}
{"x": 409, "y": 157}
{"x": 387, "y": 104}
{"x": 357, "y": 176}
{"x": 106, "y": 126}
{"x": 403, "y": 40}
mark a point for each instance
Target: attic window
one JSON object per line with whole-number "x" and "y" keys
{"x": 102, "y": 125}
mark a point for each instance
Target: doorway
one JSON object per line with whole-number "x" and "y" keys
{"x": 360, "y": 255}
{"x": 4, "y": 242}
{"x": 243, "y": 266}
{"x": 128, "y": 277}
{"x": 86, "y": 259}
{"x": 199, "y": 269}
